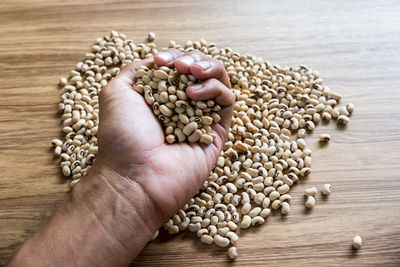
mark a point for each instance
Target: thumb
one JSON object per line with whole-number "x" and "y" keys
{"x": 127, "y": 74}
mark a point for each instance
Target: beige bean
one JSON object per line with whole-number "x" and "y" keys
{"x": 274, "y": 195}
{"x": 66, "y": 171}
{"x": 151, "y": 36}
{"x": 207, "y": 239}
{"x": 285, "y": 209}
{"x": 206, "y": 139}
{"x": 195, "y": 136}
{"x": 324, "y": 138}
{"x": 190, "y": 128}
{"x": 310, "y": 202}
{"x": 232, "y": 253}
{"x": 162, "y": 75}
{"x": 310, "y": 191}
{"x": 174, "y": 229}
{"x": 246, "y": 222}
{"x": 166, "y": 111}
{"x": 246, "y": 208}
{"x": 283, "y": 189}
{"x": 276, "y": 204}
{"x": 357, "y": 242}
{"x": 254, "y": 212}
{"x": 265, "y": 212}
{"x": 256, "y": 221}
{"x": 326, "y": 189}
{"x": 221, "y": 241}
{"x": 350, "y": 108}
{"x": 343, "y": 119}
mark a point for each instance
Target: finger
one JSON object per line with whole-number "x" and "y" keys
{"x": 126, "y": 78}
{"x": 223, "y": 96}
{"x": 211, "y": 89}
{"x": 127, "y": 74}
{"x": 183, "y": 63}
{"x": 167, "y": 57}
{"x": 210, "y": 68}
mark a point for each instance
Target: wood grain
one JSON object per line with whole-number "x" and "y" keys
{"x": 355, "y": 45}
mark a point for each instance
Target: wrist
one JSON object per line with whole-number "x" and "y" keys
{"x": 124, "y": 209}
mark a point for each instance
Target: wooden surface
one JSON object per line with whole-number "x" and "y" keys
{"x": 355, "y": 45}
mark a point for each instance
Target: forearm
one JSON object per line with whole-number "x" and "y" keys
{"x": 106, "y": 221}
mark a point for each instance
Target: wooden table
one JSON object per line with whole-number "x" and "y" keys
{"x": 355, "y": 45}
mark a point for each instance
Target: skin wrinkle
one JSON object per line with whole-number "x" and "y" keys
{"x": 138, "y": 185}
{"x": 97, "y": 219}
{"x": 140, "y": 217}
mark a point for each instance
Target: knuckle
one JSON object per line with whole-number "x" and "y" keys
{"x": 196, "y": 55}
{"x": 216, "y": 63}
{"x": 174, "y": 52}
{"x": 215, "y": 84}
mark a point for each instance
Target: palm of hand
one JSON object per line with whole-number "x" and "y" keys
{"x": 133, "y": 143}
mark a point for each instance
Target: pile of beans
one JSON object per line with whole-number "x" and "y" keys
{"x": 264, "y": 155}
{"x": 183, "y": 119}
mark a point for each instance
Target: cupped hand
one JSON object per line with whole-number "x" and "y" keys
{"x": 132, "y": 141}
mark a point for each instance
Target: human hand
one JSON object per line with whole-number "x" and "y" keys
{"x": 132, "y": 143}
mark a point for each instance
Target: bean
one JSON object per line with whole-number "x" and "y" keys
{"x": 66, "y": 171}
{"x": 342, "y": 119}
{"x": 256, "y": 221}
{"x": 74, "y": 182}
{"x": 151, "y": 36}
{"x": 350, "y": 108}
{"x": 246, "y": 208}
{"x": 221, "y": 241}
{"x": 276, "y": 204}
{"x": 285, "y": 209}
{"x": 190, "y": 128}
{"x": 246, "y": 222}
{"x": 207, "y": 239}
{"x": 326, "y": 189}
{"x": 160, "y": 74}
{"x": 195, "y": 136}
{"x": 324, "y": 138}
{"x": 310, "y": 202}
{"x": 311, "y": 191}
{"x": 283, "y": 189}
{"x": 357, "y": 241}
{"x": 165, "y": 110}
{"x": 265, "y": 213}
{"x": 206, "y": 139}
{"x": 232, "y": 253}
{"x": 155, "y": 235}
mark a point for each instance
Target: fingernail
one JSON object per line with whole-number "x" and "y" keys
{"x": 167, "y": 57}
{"x": 187, "y": 60}
{"x": 196, "y": 87}
{"x": 204, "y": 65}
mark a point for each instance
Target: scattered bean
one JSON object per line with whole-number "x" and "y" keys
{"x": 357, "y": 241}
{"x": 232, "y": 253}
{"x": 311, "y": 191}
{"x": 324, "y": 138}
{"x": 264, "y": 155}
{"x": 310, "y": 202}
{"x": 326, "y": 189}
{"x": 151, "y": 36}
